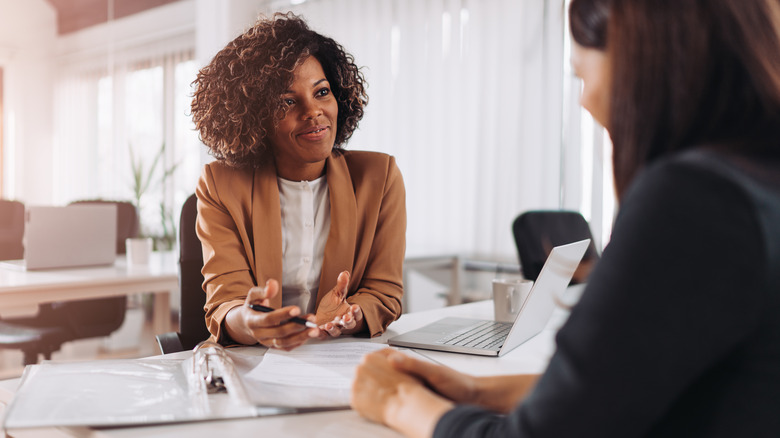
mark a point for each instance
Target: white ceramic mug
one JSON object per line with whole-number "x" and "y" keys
{"x": 138, "y": 250}
{"x": 508, "y": 298}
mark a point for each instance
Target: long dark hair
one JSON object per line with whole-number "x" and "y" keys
{"x": 588, "y": 22}
{"x": 688, "y": 73}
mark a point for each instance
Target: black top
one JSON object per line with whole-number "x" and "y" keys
{"x": 678, "y": 330}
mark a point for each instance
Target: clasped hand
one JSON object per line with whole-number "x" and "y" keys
{"x": 406, "y": 394}
{"x": 411, "y": 395}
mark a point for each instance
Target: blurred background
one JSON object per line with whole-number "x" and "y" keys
{"x": 475, "y": 99}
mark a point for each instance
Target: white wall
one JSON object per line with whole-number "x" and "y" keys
{"x": 27, "y": 37}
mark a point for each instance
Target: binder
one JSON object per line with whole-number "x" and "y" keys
{"x": 206, "y": 385}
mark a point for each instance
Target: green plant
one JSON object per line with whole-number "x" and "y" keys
{"x": 146, "y": 178}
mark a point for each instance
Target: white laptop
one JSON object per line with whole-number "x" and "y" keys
{"x": 491, "y": 338}
{"x": 67, "y": 237}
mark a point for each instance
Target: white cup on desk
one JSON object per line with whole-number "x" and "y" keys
{"x": 508, "y": 297}
{"x": 138, "y": 250}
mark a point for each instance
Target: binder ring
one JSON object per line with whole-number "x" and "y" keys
{"x": 214, "y": 371}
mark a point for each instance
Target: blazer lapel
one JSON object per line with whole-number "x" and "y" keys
{"x": 340, "y": 247}
{"x": 267, "y": 228}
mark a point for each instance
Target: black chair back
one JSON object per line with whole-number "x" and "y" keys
{"x": 192, "y": 316}
{"x": 536, "y": 232}
{"x": 192, "y": 319}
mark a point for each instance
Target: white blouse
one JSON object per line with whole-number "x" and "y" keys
{"x": 305, "y": 225}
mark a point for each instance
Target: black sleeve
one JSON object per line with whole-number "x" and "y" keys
{"x": 658, "y": 310}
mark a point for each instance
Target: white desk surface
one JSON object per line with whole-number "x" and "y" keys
{"x": 530, "y": 357}
{"x": 27, "y": 289}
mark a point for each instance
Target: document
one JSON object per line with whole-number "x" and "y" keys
{"x": 314, "y": 375}
{"x": 323, "y": 365}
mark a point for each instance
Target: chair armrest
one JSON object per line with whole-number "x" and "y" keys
{"x": 169, "y": 342}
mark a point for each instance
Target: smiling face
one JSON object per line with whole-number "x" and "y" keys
{"x": 592, "y": 66}
{"x": 304, "y": 138}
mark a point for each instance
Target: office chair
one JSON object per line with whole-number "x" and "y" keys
{"x": 192, "y": 316}
{"x": 60, "y": 322}
{"x": 12, "y": 248}
{"x": 536, "y": 232}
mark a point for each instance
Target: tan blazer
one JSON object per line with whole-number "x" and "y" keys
{"x": 239, "y": 225}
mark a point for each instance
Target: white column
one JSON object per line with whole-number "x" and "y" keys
{"x": 27, "y": 36}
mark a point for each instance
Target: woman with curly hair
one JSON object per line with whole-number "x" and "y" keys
{"x": 287, "y": 218}
{"x": 677, "y": 333}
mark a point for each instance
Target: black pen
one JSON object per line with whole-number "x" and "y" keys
{"x": 295, "y": 319}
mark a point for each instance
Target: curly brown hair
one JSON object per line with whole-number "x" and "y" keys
{"x": 238, "y": 96}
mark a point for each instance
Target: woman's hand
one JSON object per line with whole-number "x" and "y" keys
{"x": 272, "y": 329}
{"x": 384, "y": 394}
{"x": 456, "y": 386}
{"x": 335, "y": 316}
{"x": 497, "y": 393}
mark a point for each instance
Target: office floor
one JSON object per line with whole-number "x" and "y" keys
{"x": 133, "y": 340}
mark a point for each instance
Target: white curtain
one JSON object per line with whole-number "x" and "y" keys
{"x": 467, "y": 95}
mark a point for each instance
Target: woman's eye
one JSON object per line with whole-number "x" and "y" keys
{"x": 289, "y": 102}
{"x": 323, "y": 92}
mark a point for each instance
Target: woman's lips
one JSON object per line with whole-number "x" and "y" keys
{"x": 315, "y": 133}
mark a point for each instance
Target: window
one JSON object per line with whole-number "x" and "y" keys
{"x": 144, "y": 147}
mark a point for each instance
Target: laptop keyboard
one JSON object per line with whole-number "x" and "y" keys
{"x": 484, "y": 334}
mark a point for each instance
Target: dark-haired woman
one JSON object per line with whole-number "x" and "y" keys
{"x": 677, "y": 333}
{"x": 288, "y": 218}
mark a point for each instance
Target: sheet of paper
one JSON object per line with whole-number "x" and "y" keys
{"x": 317, "y": 365}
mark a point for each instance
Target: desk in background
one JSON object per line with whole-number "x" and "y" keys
{"x": 454, "y": 276}
{"x": 27, "y": 289}
{"x": 530, "y": 357}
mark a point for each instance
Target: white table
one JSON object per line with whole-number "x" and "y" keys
{"x": 27, "y": 289}
{"x": 530, "y": 357}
